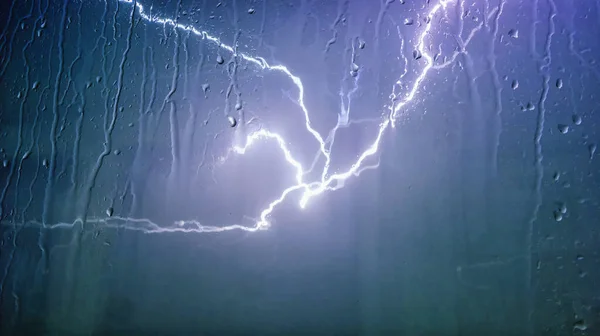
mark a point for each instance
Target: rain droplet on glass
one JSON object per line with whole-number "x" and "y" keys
{"x": 592, "y": 150}
{"x": 576, "y": 119}
{"x": 361, "y": 44}
{"x": 530, "y": 106}
{"x": 205, "y": 87}
{"x": 515, "y": 84}
{"x": 579, "y": 325}
{"x": 563, "y": 129}
{"x": 559, "y": 83}
{"x": 238, "y": 106}
{"x": 416, "y": 54}
{"x": 408, "y": 22}
{"x": 513, "y": 33}
{"x": 251, "y": 11}
{"x": 232, "y": 121}
{"x": 562, "y": 207}
{"x": 220, "y": 59}
{"x": 558, "y": 216}
{"x": 556, "y": 176}
{"x": 109, "y": 212}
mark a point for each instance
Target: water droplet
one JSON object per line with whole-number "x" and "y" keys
{"x": 220, "y": 59}
{"x": 592, "y": 150}
{"x": 117, "y": 152}
{"x": 353, "y": 73}
{"x": 563, "y": 129}
{"x": 35, "y": 85}
{"x": 19, "y": 95}
{"x": 205, "y": 87}
{"x": 238, "y": 106}
{"x": 427, "y": 19}
{"x": 513, "y": 33}
{"x": 408, "y": 22}
{"x": 515, "y": 84}
{"x": 562, "y": 208}
{"x": 98, "y": 79}
{"x": 556, "y": 176}
{"x": 109, "y": 212}
{"x": 355, "y": 67}
{"x": 576, "y": 119}
{"x": 45, "y": 163}
{"x": 579, "y": 325}
{"x": 361, "y": 44}
{"x": 558, "y": 216}
{"x": 232, "y": 121}
{"x": 559, "y": 83}
{"x": 416, "y": 54}
{"x": 88, "y": 85}
{"x": 251, "y": 11}
{"x": 26, "y": 155}
{"x": 530, "y": 106}
{"x": 579, "y": 257}
{"x": 5, "y": 163}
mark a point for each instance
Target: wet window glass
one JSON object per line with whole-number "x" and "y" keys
{"x": 299, "y": 167}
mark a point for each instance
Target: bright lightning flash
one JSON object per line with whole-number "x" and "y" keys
{"x": 309, "y": 189}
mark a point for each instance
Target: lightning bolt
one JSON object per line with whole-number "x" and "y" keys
{"x": 327, "y": 182}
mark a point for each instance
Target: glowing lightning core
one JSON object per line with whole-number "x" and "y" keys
{"x": 326, "y": 182}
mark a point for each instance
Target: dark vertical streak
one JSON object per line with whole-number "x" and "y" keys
{"x": 48, "y": 196}
{"x": 20, "y": 137}
{"x": 112, "y": 120}
{"x": 544, "y": 68}
{"x": 173, "y": 118}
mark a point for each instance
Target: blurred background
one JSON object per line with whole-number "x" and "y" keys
{"x": 299, "y": 167}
